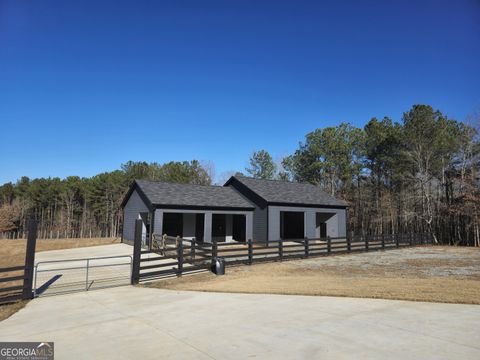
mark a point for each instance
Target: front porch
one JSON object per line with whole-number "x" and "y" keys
{"x": 204, "y": 225}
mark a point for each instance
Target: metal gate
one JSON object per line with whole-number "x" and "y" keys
{"x": 72, "y": 275}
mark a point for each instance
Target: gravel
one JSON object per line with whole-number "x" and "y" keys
{"x": 422, "y": 261}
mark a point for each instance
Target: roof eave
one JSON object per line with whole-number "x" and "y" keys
{"x": 253, "y": 196}
{"x": 134, "y": 186}
{"x": 295, "y": 204}
{"x": 203, "y": 207}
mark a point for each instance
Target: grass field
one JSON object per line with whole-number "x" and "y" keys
{"x": 435, "y": 274}
{"x": 12, "y": 252}
{"x": 8, "y": 310}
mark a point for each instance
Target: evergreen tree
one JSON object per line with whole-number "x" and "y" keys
{"x": 262, "y": 165}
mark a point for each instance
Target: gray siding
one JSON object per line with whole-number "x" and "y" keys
{"x": 336, "y": 225}
{"x": 133, "y": 207}
{"x": 260, "y": 221}
{"x": 260, "y": 216}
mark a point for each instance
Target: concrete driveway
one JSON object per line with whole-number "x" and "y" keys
{"x": 142, "y": 323}
{"x": 84, "y": 252}
{"x": 59, "y": 272}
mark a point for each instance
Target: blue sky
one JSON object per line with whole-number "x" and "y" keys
{"x": 88, "y": 85}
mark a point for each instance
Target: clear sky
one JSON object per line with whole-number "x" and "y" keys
{"x": 88, "y": 85}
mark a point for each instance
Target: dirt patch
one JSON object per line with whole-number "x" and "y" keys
{"x": 8, "y": 310}
{"x": 436, "y": 274}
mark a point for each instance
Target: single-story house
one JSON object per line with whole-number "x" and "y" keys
{"x": 244, "y": 208}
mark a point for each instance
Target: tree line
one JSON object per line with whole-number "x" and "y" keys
{"x": 84, "y": 207}
{"x": 416, "y": 175}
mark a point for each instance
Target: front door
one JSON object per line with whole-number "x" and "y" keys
{"x": 218, "y": 227}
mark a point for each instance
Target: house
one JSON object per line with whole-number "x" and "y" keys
{"x": 244, "y": 208}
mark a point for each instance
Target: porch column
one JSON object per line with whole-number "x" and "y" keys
{"x": 249, "y": 226}
{"x": 207, "y": 228}
{"x": 342, "y": 222}
{"x": 310, "y": 223}
{"x": 158, "y": 225}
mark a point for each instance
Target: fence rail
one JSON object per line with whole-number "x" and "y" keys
{"x": 16, "y": 281}
{"x": 81, "y": 274}
{"x": 170, "y": 256}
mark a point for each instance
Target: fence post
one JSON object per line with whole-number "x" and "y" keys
{"x": 410, "y": 239}
{"x": 137, "y": 251}
{"x": 192, "y": 251}
{"x": 86, "y": 276}
{"x": 280, "y": 249}
{"x": 164, "y": 244}
{"x": 383, "y": 240}
{"x": 349, "y": 244}
{"x": 307, "y": 247}
{"x": 179, "y": 243}
{"x": 396, "y": 240}
{"x": 329, "y": 245}
{"x": 214, "y": 249}
{"x": 29, "y": 259}
{"x": 366, "y": 242}
{"x": 250, "y": 252}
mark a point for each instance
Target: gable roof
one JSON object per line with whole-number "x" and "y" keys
{"x": 156, "y": 194}
{"x": 288, "y": 193}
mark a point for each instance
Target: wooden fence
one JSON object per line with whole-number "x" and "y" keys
{"x": 171, "y": 256}
{"x": 16, "y": 281}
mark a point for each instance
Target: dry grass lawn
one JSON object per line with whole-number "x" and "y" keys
{"x": 12, "y": 252}
{"x": 8, "y": 310}
{"x": 435, "y": 274}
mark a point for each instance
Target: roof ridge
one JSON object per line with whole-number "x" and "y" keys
{"x": 178, "y": 194}
{"x": 275, "y": 180}
{"x": 176, "y": 183}
{"x": 279, "y": 191}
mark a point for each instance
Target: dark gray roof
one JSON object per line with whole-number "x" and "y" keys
{"x": 276, "y": 191}
{"x": 160, "y": 193}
